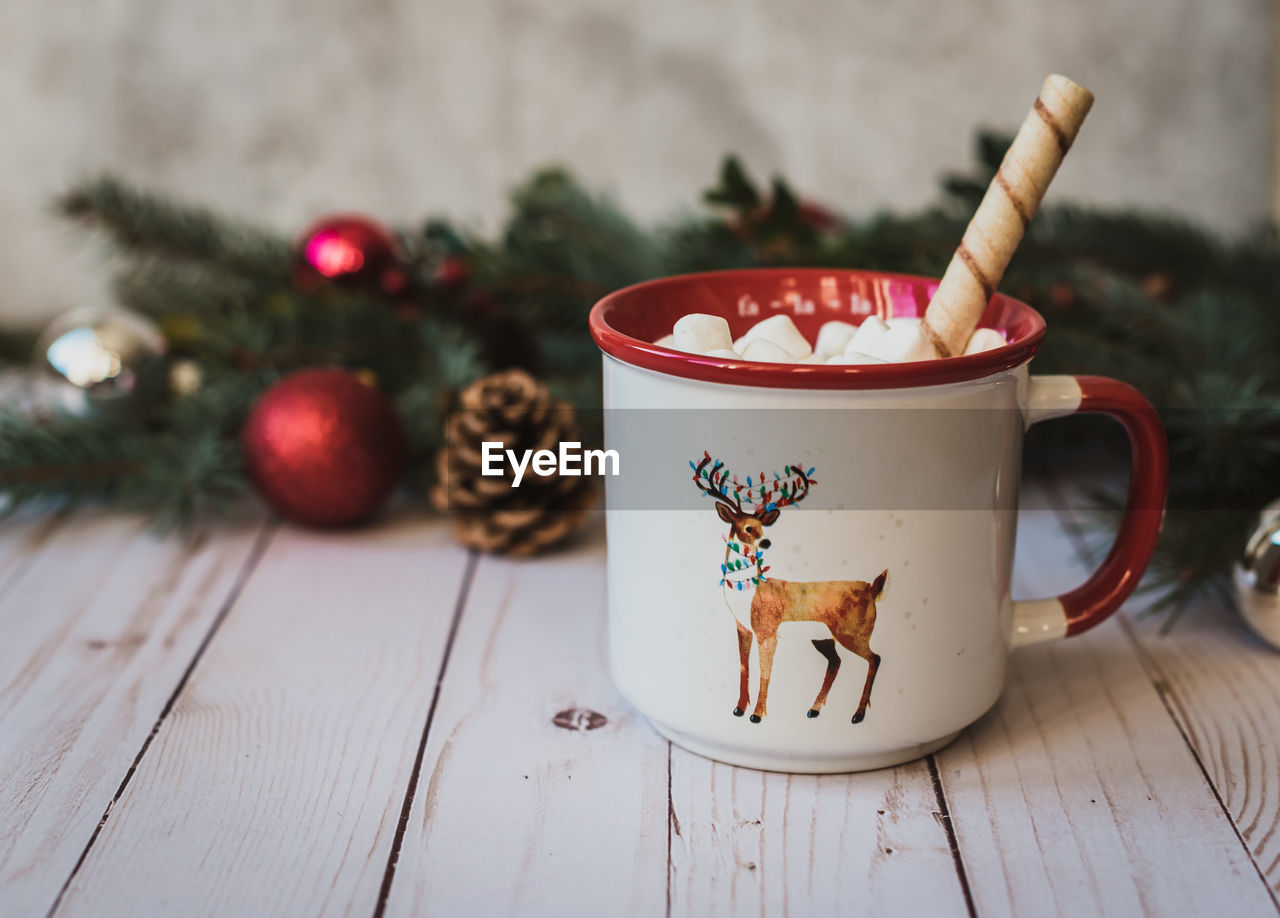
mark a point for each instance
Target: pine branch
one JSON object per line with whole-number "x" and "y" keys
{"x": 220, "y": 402}
{"x": 698, "y": 244}
{"x": 186, "y": 476}
{"x": 64, "y": 460}
{"x": 448, "y": 360}
{"x": 736, "y": 190}
{"x": 562, "y": 250}
{"x": 161, "y": 286}
{"x": 1134, "y": 243}
{"x": 143, "y": 223}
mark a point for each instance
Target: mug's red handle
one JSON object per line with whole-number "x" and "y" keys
{"x": 1100, "y": 595}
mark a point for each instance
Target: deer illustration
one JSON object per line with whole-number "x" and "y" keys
{"x": 761, "y": 604}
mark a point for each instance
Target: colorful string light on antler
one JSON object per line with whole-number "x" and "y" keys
{"x": 754, "y": 495}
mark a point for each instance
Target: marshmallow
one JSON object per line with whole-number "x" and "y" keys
{"x": 854, "y": 357}
{"x": 766, "y": 351}
{"x": 869, "y": 333}
{"x": 833, "y": 336}
{"x": 984, "y": 339}
{"x": 904, "y": 344}
{"x": 777, "y": 340}
{"x": 698, "y": 333}
{"x": 778, "y": 330}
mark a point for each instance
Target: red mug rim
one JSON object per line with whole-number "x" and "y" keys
{"x": 624, "y": 323}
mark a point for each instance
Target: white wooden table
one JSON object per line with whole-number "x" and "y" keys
{"x": 273, "y": 721}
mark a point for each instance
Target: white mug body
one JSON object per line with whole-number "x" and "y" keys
{"x": 809, "y": 566}
{"x": 940, "y": 608}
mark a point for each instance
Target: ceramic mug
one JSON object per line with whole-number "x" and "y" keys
{"x": 809, "y": 566}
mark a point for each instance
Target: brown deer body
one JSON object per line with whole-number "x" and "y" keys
{"x": 761, "y": 605}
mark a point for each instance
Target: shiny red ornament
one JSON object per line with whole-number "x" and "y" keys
{"x": 323, "y": 447}
{"x": 350, "y": 251}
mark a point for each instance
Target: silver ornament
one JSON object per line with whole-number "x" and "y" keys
{"x": 99, "y": 362}
{"x": 1258, "y": 578}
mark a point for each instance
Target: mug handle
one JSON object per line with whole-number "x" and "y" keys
{"x": 1039, "y": 620}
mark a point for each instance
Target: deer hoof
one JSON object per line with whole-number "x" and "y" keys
{"x": 737, "y": 712}
{"x": 814, "y": 712}
{"x": 858, "y": 717}
{"x": 755, "y": 718}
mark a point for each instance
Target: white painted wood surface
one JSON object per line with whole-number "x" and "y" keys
{"x": 1221, "y": 686}
{"x": 275, "y": 786}
{"x": 514, "y": 815}
{"x": 752, "y": 843}
{"x": 1077, "y": 793}
{"x": 99, "y": 621}
{"x": 353, "y": 737}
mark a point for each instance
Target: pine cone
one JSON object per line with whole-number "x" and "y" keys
{"x": 489, "y": 514}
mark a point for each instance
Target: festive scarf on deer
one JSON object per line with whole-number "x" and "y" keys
{"x": 743, "y": 567}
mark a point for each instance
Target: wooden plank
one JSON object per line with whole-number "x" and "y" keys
{"x": 1076, "y": 794}
{"x": 514, "y": 814}
{"x": 1221, "y": 684}
{"x": 22, "y": 537}
{"x": 753, "y": 843}
{"x": 100, "y": 620}
{"x": 275, "y": 786}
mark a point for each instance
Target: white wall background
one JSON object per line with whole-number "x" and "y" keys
{"x": 284, "y": 109}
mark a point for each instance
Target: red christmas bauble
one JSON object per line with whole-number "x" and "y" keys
{"x": 324, "y": 447}
{"x": 350, "y": 251}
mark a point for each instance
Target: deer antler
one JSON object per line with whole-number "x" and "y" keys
{"x": 789, "y": 488}
{"x": 707, "y": 483}
{"x": 801, "y": 490}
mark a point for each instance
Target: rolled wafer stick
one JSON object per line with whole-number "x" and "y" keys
{"x": 1006, "y": 210}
